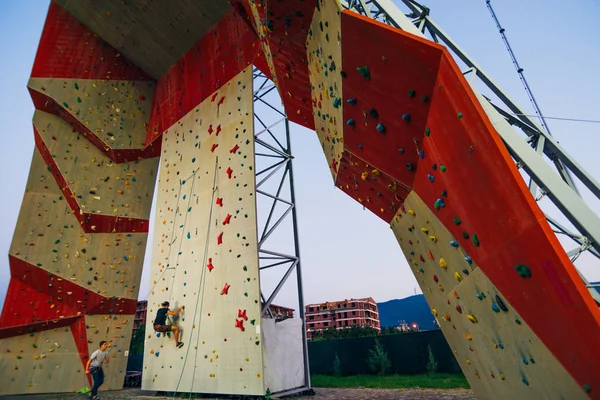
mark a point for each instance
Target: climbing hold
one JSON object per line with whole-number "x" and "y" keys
{"x": 525, "y": 381}
{"x": 495, "y": 308}
{"x": 459, "y": 309}
{"x": 465, "y": 235}
{"x": 472, "y": 318}
{"x": 424, "y": 99}
{"x": 406, "y": 117}
{"x": 373, "y": 112}
{"x": 409, "y": 167}
{"x": 351, "y": 101}
{"x": 360, "y": 146}
{"x": 380, "y": 127}
{"x": 460, "y": 115}
{"x": 453, "y": 243}
{"x": 465, "y": 271}
{"x": 225, "y": 289}
{"x": 457, "y": 221}
{"x": 411, "y": 93}
{"x": 432, "y": 238}
{"x": 458, "y": 277}
{"x": 427, "y": 132}
{"x": 430, "y": 177}
{"x": 424, "y": 230}
{"x": 364, "y": 71}
{"x": 523, "y": 270}
{"x": 239, "y": 323}
{"x": 518, "y": 321}
{"x": 587, "y": 388}
{"x": 443, "y": 168}
{"x": 350, "y": 122}
{"x": 411, "y": 212}
{"x": 421, "y": 153}
{"x": 443, "y": 263}
{"x": 501, "y": 304}
{"x": 501, "y": 345}
{"x": 469, "y": 260}
{"x": 210, "y": 265}
{"x": 435, "y": 278}
{"x": 434, "y": 312}
{"x": 337, "y": 102}
{"x": 475, "y": 240}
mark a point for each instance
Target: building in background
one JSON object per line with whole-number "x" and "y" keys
{"x": 140, "y": 315}
{"x": 342, "y": 314}
{"x": 280, "y": 313}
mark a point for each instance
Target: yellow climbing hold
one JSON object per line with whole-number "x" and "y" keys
{"x": 364, "y": 176}
{"x": 443, "y": 263}
{"x": 458, "y": 276}
{"x": 441, "y": 288}
{"x": 434, "y": 312}
{"x": 412, "y": 212}
{"x": 472, "y": 318}
{"x": 425, "y": 230}
{"x": 468, "y": 336}
{"x": 375, "y": 172}
{"x": 432, "y": 238}
{"x": 455, "y": 293}
{"x": 502, "y": 377}
{"x": 468, "y": 361}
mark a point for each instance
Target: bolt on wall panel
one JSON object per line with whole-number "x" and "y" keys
{"x": 204, "y": 251}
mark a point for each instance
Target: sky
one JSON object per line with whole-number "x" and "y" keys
{"x": 347, "y": 252}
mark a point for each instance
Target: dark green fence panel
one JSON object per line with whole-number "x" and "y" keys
{"x": 408, "y": 353}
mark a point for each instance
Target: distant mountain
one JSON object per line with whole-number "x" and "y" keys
{"x": 413, "y": 309}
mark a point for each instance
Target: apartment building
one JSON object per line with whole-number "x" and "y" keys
{"x": 342, "y": 314}
{"x": 140, "y": 315}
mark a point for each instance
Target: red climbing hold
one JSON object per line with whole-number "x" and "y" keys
{"x": 435, "y": 278}
{"x": 210, "y": 129}
{"x": 234, "y": 149}
{"x": 214, "y": 96}
{"x": 214, "y": 146}
{"x": 459, "y": 309}
{"x": 240, "y": 324}
{"x": 220, "y": 238}
{"x": 430, "y": 254}
{"x": 220, "y": 201}
{"x": 218, "y": 130}
{"x": 221, "y": 101}
{"x": 421, "y": 258}
{"x": 210, "y": 266}
{"x": 229, "y": 172}
{"x": 242, "y": 314}
{"x": 227, "y": 219}
{"x": 225, "y": 289}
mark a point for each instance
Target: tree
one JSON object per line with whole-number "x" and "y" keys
{"x": 378, "y": 360}
{"x": 137, "y": 340}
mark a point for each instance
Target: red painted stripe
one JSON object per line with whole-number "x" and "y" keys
{"x": 47, "y": 104}
{"x": 28, "y": 329}
{"x": 90, "y": 223}
{"x": 68, "y": 49}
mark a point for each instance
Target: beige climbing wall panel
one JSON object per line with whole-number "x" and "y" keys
{"x": 48, "y": 235}
{"x": 204, "y": 251}
{"x": 99, "y": 185}
{"x": 116, "y": 111}
{"x": 324, "y": 49}
{"x": 496, "y": 349}
{"x": 43, "y": 362}
{"x": 257, "y": 19}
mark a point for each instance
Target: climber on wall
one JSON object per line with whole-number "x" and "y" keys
{"x": 160, "y": 322}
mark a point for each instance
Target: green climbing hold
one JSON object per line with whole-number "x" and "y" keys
{"x": 364, "y": 71}
{"x": 411, "y": 93}
{"x": 518, "y": 321}
{"x": 460, "y": 115}
{"x": 457, "y": 221}
{"x": 76, "y": 86}
{"x": 443, "y": 168}
{"x": 475, "y": 240}
{"x": 65, "y": 104}
{"x": 427, "y": 132}
{"x": 523, "y": 270}
{"x": 587, "y": 388}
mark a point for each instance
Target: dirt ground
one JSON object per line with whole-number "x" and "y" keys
{"x": 320, "y": 394}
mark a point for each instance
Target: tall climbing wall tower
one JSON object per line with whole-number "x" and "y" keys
{"x": 78, "y": 249}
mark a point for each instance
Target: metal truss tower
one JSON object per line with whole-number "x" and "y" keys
{"x": 531, "y": 146}
{"x": 276, "y": 203}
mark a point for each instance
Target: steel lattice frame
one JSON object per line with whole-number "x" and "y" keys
{"x": 531, "y": 151}
{"x": 273, "y": 150}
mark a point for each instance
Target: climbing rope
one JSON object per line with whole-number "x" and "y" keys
{"x": 201, "y": 287}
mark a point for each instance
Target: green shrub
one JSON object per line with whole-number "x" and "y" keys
{"x": 432, "y": 364}
{"x": 378, "y": 360}
{"x": 337, "y": 365}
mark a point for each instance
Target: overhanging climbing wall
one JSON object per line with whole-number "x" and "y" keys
{"x": 78, "y": 248}
{"x": 205, "y": 254}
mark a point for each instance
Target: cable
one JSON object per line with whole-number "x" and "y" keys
{"x": 201, "y": 286}
{"x": 590, "y": 121}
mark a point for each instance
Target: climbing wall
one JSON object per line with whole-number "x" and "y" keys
{"x": 324, "y": 49}
{"x": 496, "y": 349}
{"x": 78, "y": 247}
{"x": 204, "y": 252}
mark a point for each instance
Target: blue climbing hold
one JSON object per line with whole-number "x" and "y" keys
{"x": 501, "y": 345}
{"x": 350, "y": 122}
{"x": 406, "y": 117}
{"x": 468, "y": 260}
{"x": 400, "y": 150}
{"x": 374, "y": 113}
{"x": 380, "y": 127}
{"x": 430, "y": 177}
{"x": 360, "y": 146}
{"x": 495, "y": 308}
{"x": 453, "y": 243}
{"x": 351, "y": 101}
{"x": 422, "y": 153}
{"x": 337, "y": 102}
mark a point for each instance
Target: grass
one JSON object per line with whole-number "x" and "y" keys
{"x": 433, "y": 381}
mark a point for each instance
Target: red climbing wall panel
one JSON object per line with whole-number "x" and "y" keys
{"x": 221, "y": 54}
{"x": 486, "y": 192}
{"x": 402, "y": 72}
